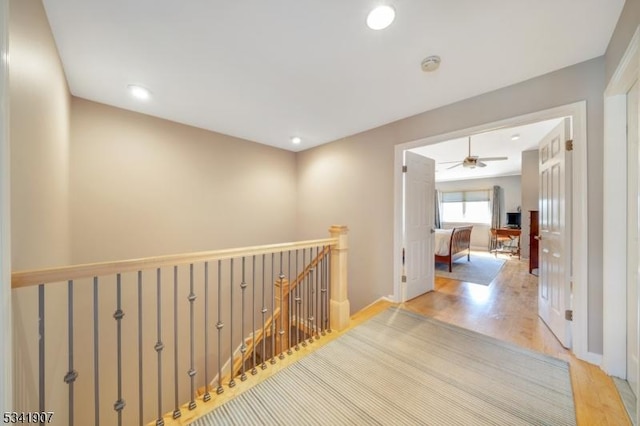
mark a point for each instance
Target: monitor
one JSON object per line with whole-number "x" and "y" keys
{"x": 513, "y": 220}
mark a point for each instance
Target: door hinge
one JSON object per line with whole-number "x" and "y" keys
{"x": 568, "y": 315}
{"x": 569, "y": 145}
{"x": 404, "y": 169}
{"x": 404, "y": 278}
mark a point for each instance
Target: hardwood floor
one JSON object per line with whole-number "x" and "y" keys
{"x": 507, "y": 310}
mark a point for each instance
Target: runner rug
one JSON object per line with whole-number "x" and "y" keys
{"x": 400, "y": 368}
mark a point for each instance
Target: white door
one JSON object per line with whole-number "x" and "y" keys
{"x": 633, "y": 226}
{"x": 419, "y": 222}
{"x": 554, "y": 283}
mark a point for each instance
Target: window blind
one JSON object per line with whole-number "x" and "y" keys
{"x": 466, "y": 196}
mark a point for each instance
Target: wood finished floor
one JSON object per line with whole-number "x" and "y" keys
{"x": 507, "y": 310}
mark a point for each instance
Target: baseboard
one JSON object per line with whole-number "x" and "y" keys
{"x": 389, "y": 298}
{"x": 593, "y": 358}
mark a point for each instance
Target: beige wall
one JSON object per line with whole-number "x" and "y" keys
{"x": 6, "y": 367}
{"x": 39, "y": 143}
{"x": 143, "y": 186}
{"x": 351, "y": 180}
{"x": 530, "y": 190}
{"x": 39, "y": 126}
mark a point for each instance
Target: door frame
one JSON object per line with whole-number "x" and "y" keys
{"x": 614, "y": 357}
{"x": 6, "y": 353}
{"x": 578, "y": 113}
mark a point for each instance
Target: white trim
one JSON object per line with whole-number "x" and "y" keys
{"x": 614, "y": 262}
{"x": 627, "y": 71}
{"x": 593, "y": 358}
{"x": 6, "y": 369}
{"x": 614, "y": 245}
{"x": 578, "y": 112}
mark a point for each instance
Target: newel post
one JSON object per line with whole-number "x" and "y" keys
{"x": 339, "y": 310}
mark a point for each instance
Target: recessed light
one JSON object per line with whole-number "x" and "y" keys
{"x": 139, "y": 92}
{"x": 515, "y": 137}
{"x": 381, "y": 17}
{"x": 296, "y": 140}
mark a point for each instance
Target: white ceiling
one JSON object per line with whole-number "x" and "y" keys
{"x": 497, "y": 143}
{"x": 268, "y": 70}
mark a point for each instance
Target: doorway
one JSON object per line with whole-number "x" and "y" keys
{"x": 620, "y": 328}
{"x": 577, "y": 112}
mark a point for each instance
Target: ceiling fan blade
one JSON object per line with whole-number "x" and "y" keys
{"x": 480, "y": 164}
{"x": 449, "y": 162}
{"x": 452, "y": 167}
{"x": 493, "y": 158}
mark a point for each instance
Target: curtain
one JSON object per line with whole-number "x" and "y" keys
{"x": 438, "y": 222}
{"x": 495, "y": 213}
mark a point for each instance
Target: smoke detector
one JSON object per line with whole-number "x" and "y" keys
{"x": 430, "y": 63}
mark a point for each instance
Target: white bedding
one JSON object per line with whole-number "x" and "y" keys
{"x": 443, "y": 236}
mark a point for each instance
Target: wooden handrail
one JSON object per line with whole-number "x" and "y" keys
{"x": 52, "y": 275}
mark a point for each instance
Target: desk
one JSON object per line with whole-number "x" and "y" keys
{"x": 505, "y": 235}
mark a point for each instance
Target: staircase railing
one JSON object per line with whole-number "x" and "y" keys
{"x": 293, "y": 322}
{"x": 127, "y": 342}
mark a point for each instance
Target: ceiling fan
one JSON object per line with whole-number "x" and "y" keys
{"x": 473, "y": 161}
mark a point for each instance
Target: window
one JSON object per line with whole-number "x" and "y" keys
{"x": 467, "y": 206}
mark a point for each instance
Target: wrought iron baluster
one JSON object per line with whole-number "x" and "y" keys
{"x": 96, "y": 356}
{"x": 305, "y": 296}
{"x": 289, "y": 298}
{"x": 323, "y": 291}
{"x": 72, "y": 374}
{"x": 159, "y": 346}
{"x": 254, "y": 370}
{"x": 192, "y": 369}
{"x": 118, "y": 315}
{"x": 176, "y": 411}
{"x": 316, "y": 292}
{"x": 207, "y": 396}
{"x": 219, "y": 326}
{"x": 41, "y": 354}
{"x": 140, "y": 382}
{"x": 310, "y": 296}
{"x": 298, "y": 301}
{"x": 329, "y": 291}
{"x": 272, "y": 327}
{"x": 243, "y": 347}
{"x": 232, "y": 381}
{"x": 281, "y": 331}
{"x": 264, "y": 318}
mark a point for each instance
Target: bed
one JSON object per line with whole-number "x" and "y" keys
{"x": 452, "y": 243}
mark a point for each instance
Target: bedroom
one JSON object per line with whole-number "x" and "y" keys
{"x": 466, "y": 195}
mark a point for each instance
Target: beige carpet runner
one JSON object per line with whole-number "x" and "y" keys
{"x": 401, "y": 368}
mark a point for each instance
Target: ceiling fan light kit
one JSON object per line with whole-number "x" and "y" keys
{"x": 473, "y": 161}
